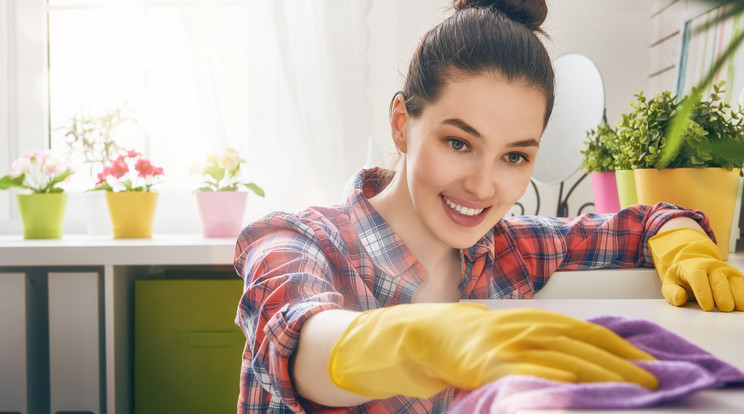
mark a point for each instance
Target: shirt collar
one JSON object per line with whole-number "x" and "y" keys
{"x": 386, "y": 249}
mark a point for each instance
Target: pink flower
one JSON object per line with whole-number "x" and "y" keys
{"x": 144, "y": 167}
{"x": 103, "y": 174}
{"x": 133, "y": 154}
{"x": 159, "y": 171}
{"x": 29, "y": 154}
{"x": 118, "y": 168}
{"x": 52, "y": 167}
{"x": 19, "y": 167}
{"x": 41, "y": 159}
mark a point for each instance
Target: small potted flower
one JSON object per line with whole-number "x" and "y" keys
{"x": 221, "y": 203}
{"x": 599, "y": 163}
{"x": 43, "y": 207}
{"x": 91, "y": 140}
{"x": 128, "y": 182}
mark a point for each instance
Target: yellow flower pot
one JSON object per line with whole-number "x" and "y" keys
{"x": 132, "y": 213}
{"x": 710, "y": 190}
{"x": 42, "y": 214}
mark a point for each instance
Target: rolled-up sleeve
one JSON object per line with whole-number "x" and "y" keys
{"x": 593, "y": 241}
{"x": 287, "y": 280}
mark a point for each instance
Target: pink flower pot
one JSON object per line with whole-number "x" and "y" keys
{"x": 221, "y": 212}
{"x": 604, "y": 186}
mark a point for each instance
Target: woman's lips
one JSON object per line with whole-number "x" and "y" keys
{"x": 464, "y": 216}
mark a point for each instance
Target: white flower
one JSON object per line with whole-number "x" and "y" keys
{"x": 230, "y": 160}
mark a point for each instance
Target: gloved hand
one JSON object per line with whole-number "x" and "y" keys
{"x": 689, "y": 264}
{"x": 419, "y": 350}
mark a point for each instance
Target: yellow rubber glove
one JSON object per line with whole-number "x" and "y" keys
{"x": 419, "y": 350}
{"x": 689, "y": 265}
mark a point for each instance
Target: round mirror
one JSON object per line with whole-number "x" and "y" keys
{"x": 579, "y": 107}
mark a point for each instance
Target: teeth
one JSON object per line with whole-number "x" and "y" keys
{"x": 463, "y": 210}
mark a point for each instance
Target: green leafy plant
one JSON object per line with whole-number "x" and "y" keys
{"x": 598, "y": 156}
{"x": 712, "y": 123}
{"x": 221, "y": 172}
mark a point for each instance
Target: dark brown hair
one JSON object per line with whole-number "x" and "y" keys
{"x": 498, "y": 36}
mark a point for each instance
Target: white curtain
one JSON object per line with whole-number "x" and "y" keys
{"x": 305, "y": 124}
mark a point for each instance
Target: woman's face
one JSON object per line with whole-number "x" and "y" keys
{"x": 469, "y": 156}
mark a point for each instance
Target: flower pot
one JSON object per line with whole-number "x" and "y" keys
{"x": 221, "y": 212}
{"x": 97, "y": 217}
{"x": 132, "y": 213}
{"x": 604, "y": 188}
{"x": 42, "y": 214}
{"x": 710, "y": 190}
{"x": 626, "y": 188}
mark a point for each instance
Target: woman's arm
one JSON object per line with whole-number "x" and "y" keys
{"x": 680, "y": 223}
{"x": 310, "y": 370}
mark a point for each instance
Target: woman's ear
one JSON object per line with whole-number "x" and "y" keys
{"x": 398, "y": 118}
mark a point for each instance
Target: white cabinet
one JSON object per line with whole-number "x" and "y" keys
{"x": 75, "y": 342}
{"x": 66, "y": 315}
{"x": 13, "y": 355}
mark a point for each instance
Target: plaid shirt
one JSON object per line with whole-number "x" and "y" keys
{"x": 347, "y": 257}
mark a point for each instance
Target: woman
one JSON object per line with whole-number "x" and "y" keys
{"x": 339, "y": 307}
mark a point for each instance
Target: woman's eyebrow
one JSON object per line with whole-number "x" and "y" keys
{"x": 531, "y": 142}
{"x": 459, "y": 123}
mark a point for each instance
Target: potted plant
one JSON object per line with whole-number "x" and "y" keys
{"x": 599, "y": 163}
{"x": 221, "y": 203}
{"x": 698, "y": 176}
{"x": 639, "y": 136}
{"x": 90, "y": 139}
{"x": 128, "y": 182}
{"x": 43, "y": 208}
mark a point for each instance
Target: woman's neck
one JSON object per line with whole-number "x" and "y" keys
{"x": 395, "y": 206}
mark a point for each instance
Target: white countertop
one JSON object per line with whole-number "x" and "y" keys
{"x": 720, "y": 333}
{"x": 85, "y": 250}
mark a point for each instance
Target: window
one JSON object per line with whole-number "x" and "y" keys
{"x": 186, "y": 72}
{"x": 283, "y": 82}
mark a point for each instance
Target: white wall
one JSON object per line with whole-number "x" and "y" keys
{"x": 613, "y": 33}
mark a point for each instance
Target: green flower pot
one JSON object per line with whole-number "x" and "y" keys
{"x": 43, "y": 215}
{"x": 626, "y": 188}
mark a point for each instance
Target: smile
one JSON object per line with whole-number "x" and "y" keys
{"x": 462, "y": 209}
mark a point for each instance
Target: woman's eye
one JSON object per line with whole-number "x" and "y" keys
{"x": 456, "y": 144}
{"x": 516, "y": 158}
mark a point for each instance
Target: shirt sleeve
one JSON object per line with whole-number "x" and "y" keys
{"x": 287, "y": 280}
{"x": 593, "y": 241}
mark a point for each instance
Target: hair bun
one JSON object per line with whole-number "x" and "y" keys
{"x": 531, "y": 13}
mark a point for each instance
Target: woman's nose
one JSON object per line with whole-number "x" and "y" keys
{"x": 481, "y": 181}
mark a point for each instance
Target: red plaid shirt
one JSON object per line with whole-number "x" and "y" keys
{"x": 347, "y": 257}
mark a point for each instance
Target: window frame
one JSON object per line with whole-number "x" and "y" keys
{"x": 24, "y": 66}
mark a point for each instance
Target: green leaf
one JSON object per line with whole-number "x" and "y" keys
{"x": 58, "y": 179}
{"x": 7, "y": 182}
{"x": 102, "y": 187}
{"x": 216, "y": 172}
{"x": 255, "y": 188}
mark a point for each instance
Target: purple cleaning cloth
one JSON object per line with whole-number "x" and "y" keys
{"x": 682, "y": 368}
